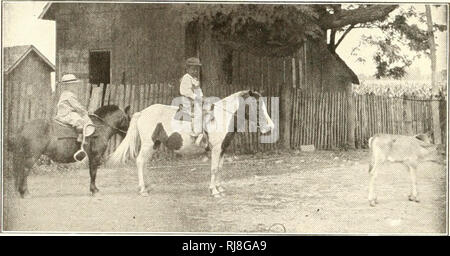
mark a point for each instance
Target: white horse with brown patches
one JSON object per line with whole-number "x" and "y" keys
{"x": 157, "y": 124}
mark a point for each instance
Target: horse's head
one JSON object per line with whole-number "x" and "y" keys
{"x": 255, "y": 101}
{"x": 125, "y": 118}
{"x": 115, "y": 117}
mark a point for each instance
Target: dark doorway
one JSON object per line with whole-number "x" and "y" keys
{"x": 99, "y": 69}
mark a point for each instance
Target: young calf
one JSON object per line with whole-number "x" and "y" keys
{"x": 409, "y": 150}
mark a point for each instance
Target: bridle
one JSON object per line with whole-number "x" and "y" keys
{"x": 107, "y": 124}
{"x": 104, "y": 139}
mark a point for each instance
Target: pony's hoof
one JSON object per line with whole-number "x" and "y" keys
{"x": 25, "y": 195}
{"x": 144, "y": 194}
{"x": 216, "y": 195}
{"x": 413, "y": 198}
{"x": 220, "y": 189}
{"x": 373, "y": 202}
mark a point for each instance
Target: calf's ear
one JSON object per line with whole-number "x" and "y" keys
{"x": 421, "y": 136}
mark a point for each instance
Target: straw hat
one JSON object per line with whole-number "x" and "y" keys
{"x": 193, "y": 62}
{"x": 69, "y": 78}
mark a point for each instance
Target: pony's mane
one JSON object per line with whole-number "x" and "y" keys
{"x": 240, "y": 93}
{"x": 103, "y": 111}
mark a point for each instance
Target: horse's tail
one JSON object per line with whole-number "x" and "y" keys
{"x": 15, "y": 144}
{"x": 129, "y": 147}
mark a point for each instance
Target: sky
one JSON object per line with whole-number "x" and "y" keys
{"x": 21, "y": 26}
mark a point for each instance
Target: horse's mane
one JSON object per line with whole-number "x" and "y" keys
{"x": 103, "y": 111}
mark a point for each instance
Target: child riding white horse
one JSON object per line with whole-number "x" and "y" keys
{"x": 156, "y": 124}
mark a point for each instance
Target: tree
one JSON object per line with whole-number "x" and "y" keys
{"x": 435, "y": 89}
{"x": 404, "y": 27}
{"x": 277, "y": 29}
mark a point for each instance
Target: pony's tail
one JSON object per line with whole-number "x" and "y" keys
{"x": 15, "y": 144}
{"x": 129, "y": 147}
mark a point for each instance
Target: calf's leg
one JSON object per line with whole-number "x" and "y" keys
{"x": 373, "y": 172}
{"x": 413, "y": 196}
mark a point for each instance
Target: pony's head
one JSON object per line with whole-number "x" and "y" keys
{"x": 116, "y": 117}
{"x": 255, "y": 101}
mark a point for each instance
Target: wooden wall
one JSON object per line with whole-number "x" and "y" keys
{"x": 145, "y": 41}
{"x": 312, "y": 67}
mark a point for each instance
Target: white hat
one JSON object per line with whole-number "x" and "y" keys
{"x": 69, "y": 78}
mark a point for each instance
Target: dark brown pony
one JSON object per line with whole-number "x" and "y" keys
{"x": 36, "y": 138}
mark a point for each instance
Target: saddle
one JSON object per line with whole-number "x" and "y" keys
{"x": 63, "y": 131}
{"x": 183, "y": 114}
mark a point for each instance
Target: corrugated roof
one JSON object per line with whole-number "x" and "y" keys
{"x": 15, "y": 54}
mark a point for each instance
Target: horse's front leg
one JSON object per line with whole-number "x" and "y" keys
{"x": 94, "y": 162}
{"x": 215, "y": 159}
{"x": 145, "y": 154}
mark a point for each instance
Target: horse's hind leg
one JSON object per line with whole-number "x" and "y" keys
{"x": 18, "y": 170}
{"x": 219, "y": 178}
{"x": 145, "y": 153}
{"x": 24, "y": 171}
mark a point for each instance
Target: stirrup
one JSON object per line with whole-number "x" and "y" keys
{"x": 83, "y": 141}
{"x": 81, "y": 151}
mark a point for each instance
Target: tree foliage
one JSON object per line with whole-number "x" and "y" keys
{"x": 264, "y": 29}
{"x": 277, "y": 29}
{"x": 401, "y": 29}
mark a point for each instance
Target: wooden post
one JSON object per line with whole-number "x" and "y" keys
{"x": 350, "y": 117}
{"x": 285, "y": 114}
{"x": 407, "y": 115}
{"x": 96, "y": 99}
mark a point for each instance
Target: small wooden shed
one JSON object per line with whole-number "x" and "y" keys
{"x": 27, "y": 85}
{"x": 26, "y": 90}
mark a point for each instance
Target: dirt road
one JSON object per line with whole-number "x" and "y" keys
{"x": 321, "y": 192}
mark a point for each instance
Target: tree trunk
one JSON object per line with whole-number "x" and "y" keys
{"x": 435, "y": 89}
{"x": 351, "y": 116}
